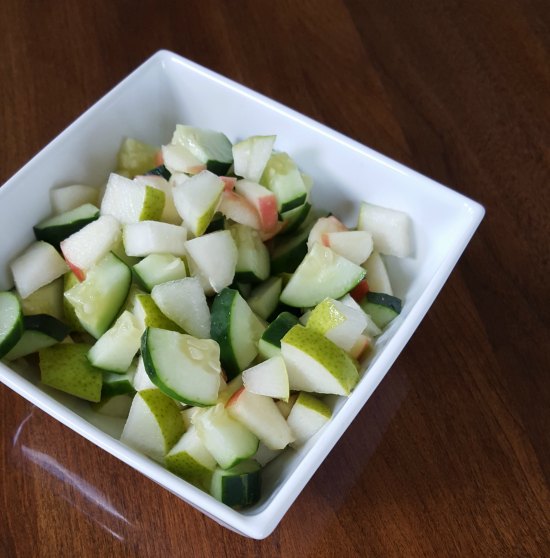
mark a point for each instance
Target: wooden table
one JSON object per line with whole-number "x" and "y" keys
{"x": 451, "y": 455}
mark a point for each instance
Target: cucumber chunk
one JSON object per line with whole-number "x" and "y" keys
{"x": 55, "y": 229}
{"x": 40, "y": 331}
{"x": 98, "y": 299}
{"x": 184, "y": 367}
{"x": 253, "y": 256}
{"x": 322, "y": 274}
{"x": 283, "y": 178}
{"x": 265, "y": 297}
{"x": 381, "y": 307}
{"x": 11, "y": 322}
{"x": 210, "y": 147}
{"x": 238, "y": 486}
{"x": 236, "y": 329}
{"x": 270, "y": 342}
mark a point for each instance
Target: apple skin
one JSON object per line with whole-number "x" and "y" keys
{"x": 233, "y": 399}
{"x": 228, "y": 183}
{"x": 239, "y": 209}
{"x": 80, "y": 274}
{"x": 359, "y": 292}
{"x": 267, "y": 208}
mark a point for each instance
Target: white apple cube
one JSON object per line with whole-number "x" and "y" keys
{"x": 37, "y": 266}
{"x": 239, "y": 209}
{"x": 153, "y": 237}
{"x": 70, "y": 197}
{"x": 263, "y": 200}
{"x": 390, "y": 229}
{"x": 322, "y": 226}
{"x": 355, "y": 246}
{"x": 213, "y": 257}
{"x": 84, "y": 248}
{"x": 377, "y": 274}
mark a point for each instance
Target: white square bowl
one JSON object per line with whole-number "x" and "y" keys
{"x": 168, "y": 89}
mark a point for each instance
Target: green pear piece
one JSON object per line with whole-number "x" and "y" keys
{"x": 154, "y": 424}
{"x": 316, "y": 364}
{"x": 66, "y": 368}
{"x": 307, "y": 416}
{"x": 190, "y": 460}
{"x": 153, "y": 204}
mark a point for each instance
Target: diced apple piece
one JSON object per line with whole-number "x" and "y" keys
{"x": 153, "y": 237}
{"x": 390, "y": 229}
{"x": 84, "y": 248}
{"x": 263, "y": 200}
{"x": 70, "y": 197}
{"x": 37, "y": 266}
{"x": 239, "y": 209}
{"x": 322, "y": 226}
{"x": 178, "y": 158}
{"x": 356, "y": 246}
{"x": 213, "y": 257}
{"x": 377, "y": 275}
{"x": 251, "y": 155}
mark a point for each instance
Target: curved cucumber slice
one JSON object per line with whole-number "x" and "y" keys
{"x": 55, "y": 229}
{"x": 11, "y": 322}
{"x": 98, "y": 299}
{"x": 322, "y": 274}
{"x": 237, "y": 330}
{"x": 184, "y": 367}
{"x": 239, "y": 486}
{"x": 40, "y": 331}
{"x": 381, "y": 307}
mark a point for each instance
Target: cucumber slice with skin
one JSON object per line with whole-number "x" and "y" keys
{"x": 11, "y": 322}
{"x": 161, "y": 170}
{"x": 208, "y": 146}
{"x": 322, "y": 274}
{"x": 98, "y": 299}
{"x": 295, "y": 217}
{"x": 270, "y": 342}
{"x": 118, "y": 384}
{"x": 265, "y": 297}
{"x": 238, "y": 486}
{"x": 282, "y": 177}
{"x": 253, "y": 256}
{"x": 225, "y": 438}
{"x": 55, "y": 229}
{"x": 40, "y": 331}
{"x": 236, "y": 329}
{"x": 381, "y": 307}
{"x": 184, "y": 367}
{"x": 159, "y": 268}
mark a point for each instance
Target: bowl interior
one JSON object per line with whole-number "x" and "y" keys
{"x": 168, "y": 90}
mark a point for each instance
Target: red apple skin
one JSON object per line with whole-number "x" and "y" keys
{"x": 79, "y": 273}
{"x": 228, "y": 183}
{"x": 159, "y": 159}
{"x": 359, "y": 292}
{"x": 230, "y": 200}
{"x": 358, "y": 350}
{"x": 196, "y": 169}
{"x": 233, "y": 399}
{"x": 325, "y": 240}
{"x": 267, "y": 208}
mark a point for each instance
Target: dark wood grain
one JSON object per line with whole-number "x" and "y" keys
{"x": 451, "y": 455}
